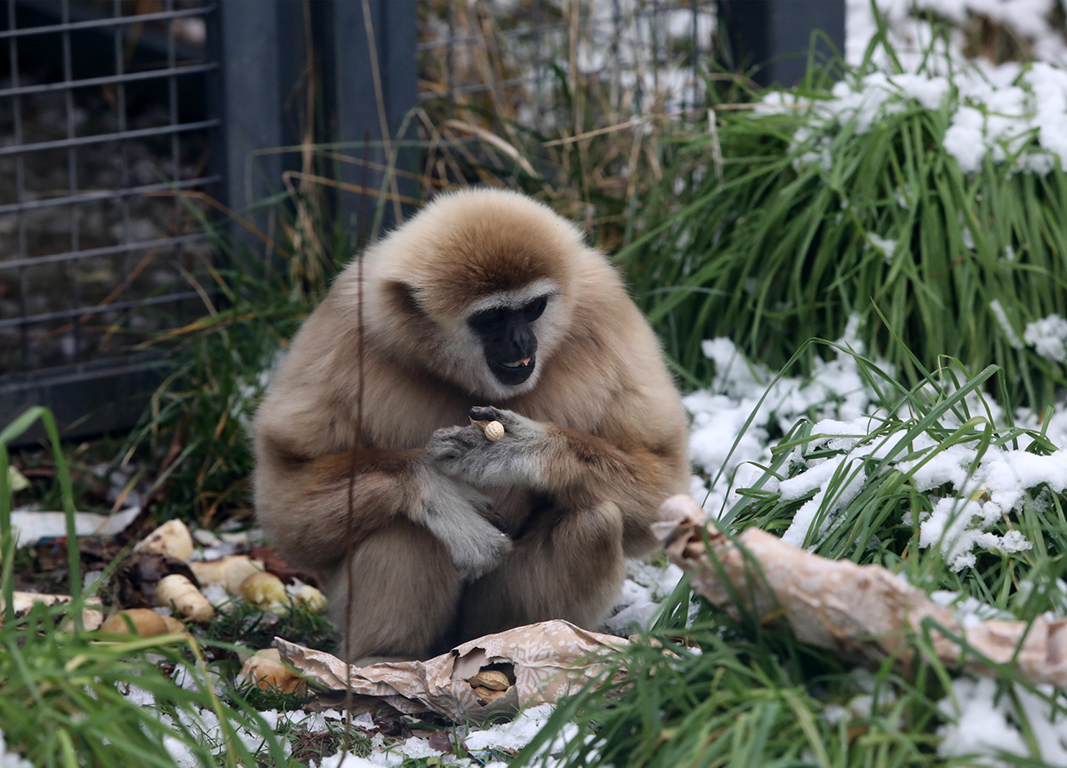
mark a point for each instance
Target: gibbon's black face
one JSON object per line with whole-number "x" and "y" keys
{"x": 508, "y": 339}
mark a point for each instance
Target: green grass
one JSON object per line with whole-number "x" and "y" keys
{"x": 64, "y": 692}
{"x": 708, "y": 690}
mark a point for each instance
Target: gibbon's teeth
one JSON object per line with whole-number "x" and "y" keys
{"x": 518, "y": 363}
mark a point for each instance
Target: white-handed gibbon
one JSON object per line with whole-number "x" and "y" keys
{"x": 488, "y": 306}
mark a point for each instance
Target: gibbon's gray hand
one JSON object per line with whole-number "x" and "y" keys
{"x": 463, "y": 520}
{"x": 466, "y": 453}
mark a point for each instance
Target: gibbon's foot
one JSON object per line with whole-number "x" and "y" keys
{"x": 462, "y": 519}
{"x": 467, "y": 454}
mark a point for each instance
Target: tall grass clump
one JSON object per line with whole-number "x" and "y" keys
{"x": 71, "y": 697}
{"x": 195, "y": 427}
{"x": 269, "y": 267}
{"x": 933, "y": 484}
{"x": 928, "y": 202}
{"x": 566, "y": 101}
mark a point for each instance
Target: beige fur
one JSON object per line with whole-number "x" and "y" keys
{"x": 595, "y": 440}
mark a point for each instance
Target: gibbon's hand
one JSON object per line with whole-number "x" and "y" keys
{"x": 466, "y": 453}
{"x": 463, "y": 520}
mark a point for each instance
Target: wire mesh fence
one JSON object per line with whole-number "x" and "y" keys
{"x": 102, "y": 119}
{"x": 527, "y": 61}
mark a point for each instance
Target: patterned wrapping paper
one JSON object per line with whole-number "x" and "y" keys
{"x": 546, "y": 660}
{"x": 862, "y": 612}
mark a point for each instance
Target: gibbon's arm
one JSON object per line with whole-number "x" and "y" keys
{"x": 303, "y": 503}
{"x": 575, "y": 468}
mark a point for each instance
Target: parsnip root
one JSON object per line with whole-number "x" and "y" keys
{"x": 229, "y": 571}
{"x": 265, "y": 590}
{"x": 92, "y": 615}
{"x": 180, "y": 594}
{"x": 311, "y": 597}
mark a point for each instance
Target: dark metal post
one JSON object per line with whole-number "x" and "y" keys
{"x": 261, "y": 52}
{"x": 361, "y": 104}
{"x": 776, "y": 35}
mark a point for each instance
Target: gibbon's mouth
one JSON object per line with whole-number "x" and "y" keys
{"x": 513, "y": 373}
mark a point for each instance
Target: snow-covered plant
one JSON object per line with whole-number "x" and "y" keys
{"x": 865, "y": 468}
{"x": 928, "y": 201}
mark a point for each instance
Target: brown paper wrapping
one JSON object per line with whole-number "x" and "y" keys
{"x": 862, "y": 612}
{"x": 546, "y": 660}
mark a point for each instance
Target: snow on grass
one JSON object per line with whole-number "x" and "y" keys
{"x": 11, "y": 759}
{"x": 1007, "y": 112}
{"x": 1048, "y": 337}
{"x": 991, "y": 721}
{"x": 910, "y": 31}
{"x": 1005, "y": 324}
{"x": 1004, "y": 112}
{"x": 719, "y": 442}
{"x": 482, "y": 745}
{"x": 977, "y": 485}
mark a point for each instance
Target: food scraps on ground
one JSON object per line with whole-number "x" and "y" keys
{"x": 266, "y": 670}
{"x": 229, "y": 571}
{"x": 92, "y": 613}
{"x": 182, "y": 596}
{"x": 311, "y": 597}
{"x": 172, "y": 538}
{"x": 141, "y": 621}
{"x": 134, "y": 583}
{"x": 265, "y": 590}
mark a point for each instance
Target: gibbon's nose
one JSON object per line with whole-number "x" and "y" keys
{"x": 520, "y": 342}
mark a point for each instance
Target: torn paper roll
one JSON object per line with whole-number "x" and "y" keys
{"x": 862, "y": 612}
{"x": 541, "y": 662}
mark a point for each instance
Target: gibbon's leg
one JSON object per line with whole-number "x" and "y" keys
{"x": 568, "y": 564}
{"x": 405, "y": 593}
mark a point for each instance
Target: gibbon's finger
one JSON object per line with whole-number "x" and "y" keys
{"x": 481, "y": 504}
{"x": 512, "y": 422}
{"x": 482, "y": 413}
{"x": 452, "y": 443}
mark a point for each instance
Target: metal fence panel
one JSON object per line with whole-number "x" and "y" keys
{"x": 102, "y": 118}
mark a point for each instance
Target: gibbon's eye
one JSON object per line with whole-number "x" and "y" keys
{"x": 489, "y": 319}
{"x": 534, "y": 309}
